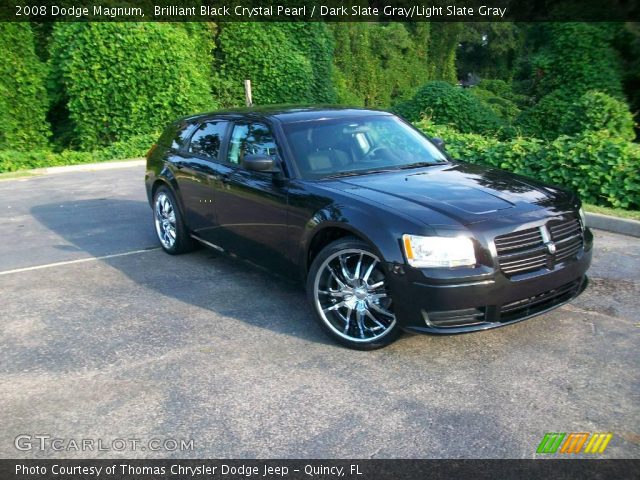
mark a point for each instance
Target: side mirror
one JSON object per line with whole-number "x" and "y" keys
{"x": 260, "y": 163}
{"x": 438, "y": 142}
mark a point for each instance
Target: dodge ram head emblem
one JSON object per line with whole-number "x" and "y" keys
{"x": 551, "y": 247}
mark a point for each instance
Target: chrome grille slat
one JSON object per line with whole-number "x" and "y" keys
{"x": 526, "y": 268}
{"x": 515, "y": 246}
{"x": 525, "y": 261}
{"x": 565, "y": 251}
{"x": 560, "y": 257}
{"x": 563, "y": 241}
{"x": 517, "y": 236}
{"x": 558, "y": 232}
{"x": 529, "y": 252}
{"x": 558, "y": 229}
{"x": 565, "y": 245}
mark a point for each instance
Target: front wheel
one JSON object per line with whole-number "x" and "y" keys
{"x": 347, "y": 286}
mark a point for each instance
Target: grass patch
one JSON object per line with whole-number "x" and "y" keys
{"x": 614, "y": 212}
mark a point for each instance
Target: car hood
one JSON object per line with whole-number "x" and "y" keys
{"x": 465, "y": 193}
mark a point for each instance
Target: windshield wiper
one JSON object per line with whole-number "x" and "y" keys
{"x": 420, "y": 164}
{"x": 354, "y": 173}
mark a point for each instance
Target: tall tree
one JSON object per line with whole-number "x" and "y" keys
{"x": 489, "y": 49}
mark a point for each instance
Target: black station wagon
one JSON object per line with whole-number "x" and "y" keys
{"x": 388, "y": 232}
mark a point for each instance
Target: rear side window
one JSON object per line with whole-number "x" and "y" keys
{"x": 207, "y": 139}
{"x": 176, "y": 135}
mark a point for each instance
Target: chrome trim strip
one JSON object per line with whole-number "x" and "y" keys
{"x": 209, "y": 244}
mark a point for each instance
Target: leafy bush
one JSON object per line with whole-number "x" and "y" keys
{"x": 23, "y": 97}
{"x": 446, "y": 104}
{"x": 543, "y": 120}
{"x": 602, "y": 169}
{"x": 118, "y": 80}
{"x": 497, "y": 87}
{"x": 562, "y": 113}
{"x": 599, "y": 111}
{"x": 12, "y": 160}
{"x": 501, "y": 106}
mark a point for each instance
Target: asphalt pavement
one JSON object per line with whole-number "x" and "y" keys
{"x": 104, "y": 337}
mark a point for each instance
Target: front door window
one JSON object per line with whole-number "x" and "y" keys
{"x": 250, "y": 139}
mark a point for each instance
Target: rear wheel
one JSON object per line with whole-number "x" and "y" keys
{"x": 170, "y": 228}
{"x": 347, "y": 285}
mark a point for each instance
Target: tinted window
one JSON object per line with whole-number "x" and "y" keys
{"x": 207, "y": 139}
{"x": 176, "y": 135}
{"x": 181, "y": 138}
{"x": 251, "y": 139}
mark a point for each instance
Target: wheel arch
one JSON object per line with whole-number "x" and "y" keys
{"x": 171, "y": 184}
{"x": 329, "y": 232}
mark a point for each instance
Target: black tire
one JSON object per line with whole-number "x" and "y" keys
{"x": 349, "y": 293}
{"x": 173, "y": 235}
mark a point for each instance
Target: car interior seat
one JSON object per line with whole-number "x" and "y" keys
{"x": 325, "y": 155}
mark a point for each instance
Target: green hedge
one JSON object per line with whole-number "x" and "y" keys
{"x": 13, "y": 161}
{"x": 315, "y": 42}
{"x": 562, "y": 113}
{"x": 265, "y": 54}
{"x": 118, "y": 80}
{"x": 599, "y": 111}
{"x": 378, "y": 64}
{"x": 23, "y": 96}
{"x": 577, "y": 56}
{"x": 446, "y": 104}
{"x": 603, "y": 170}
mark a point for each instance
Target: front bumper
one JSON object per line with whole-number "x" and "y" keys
{"x": 459, "y": 304}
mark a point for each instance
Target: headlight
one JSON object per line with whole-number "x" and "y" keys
{"x": 583, "y": 219}
{"x": 426, "y": 252}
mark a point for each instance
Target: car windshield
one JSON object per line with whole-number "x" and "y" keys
{"x": 357, "y": 146}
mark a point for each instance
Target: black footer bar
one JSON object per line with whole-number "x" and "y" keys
{"x": 122, "y": 469}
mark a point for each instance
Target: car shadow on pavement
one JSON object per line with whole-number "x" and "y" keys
{"x": 204, "y": 279}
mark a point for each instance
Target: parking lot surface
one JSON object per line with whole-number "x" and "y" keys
{"x": 97, "y": 345}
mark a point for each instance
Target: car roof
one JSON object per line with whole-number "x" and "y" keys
{"x": 290, "y": 113}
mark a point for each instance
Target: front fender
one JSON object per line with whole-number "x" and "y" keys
{"x": 382, "y": 230}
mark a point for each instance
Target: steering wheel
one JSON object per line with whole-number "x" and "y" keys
{"x": 374, "y": 152}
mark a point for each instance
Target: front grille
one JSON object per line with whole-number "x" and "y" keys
{"x": 537, "y": 248}
{"x": 567, "y": 236}
{"x": 538, "y": 303}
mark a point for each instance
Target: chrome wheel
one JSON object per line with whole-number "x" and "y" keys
{"x": 165, "y": 219}
{"x": 351, "y": 296}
